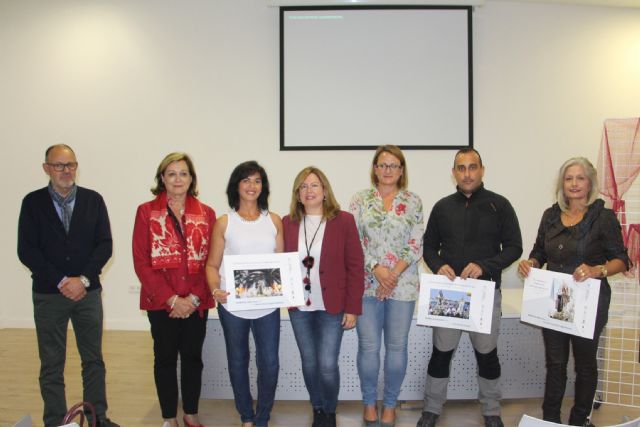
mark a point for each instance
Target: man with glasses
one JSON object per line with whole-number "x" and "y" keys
{"x": 473, "y": 233}
{"x": 64, "y": 238}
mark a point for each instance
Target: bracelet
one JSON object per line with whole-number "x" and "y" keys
{"x": 173, "y": 303}
{"x": 603, "y": 270}
{"x": 214, "y": 291}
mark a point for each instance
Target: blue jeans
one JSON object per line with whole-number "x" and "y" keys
{"x": 394, "y": 318}
{"x": 319, "y": 336}
{"x": 266, "y": 335}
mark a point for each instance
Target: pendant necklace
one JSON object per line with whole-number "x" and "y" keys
{"x": 308, "y": 261}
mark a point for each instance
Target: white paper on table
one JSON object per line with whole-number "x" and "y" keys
{"x": 556, "y": 301}
{"x": 263, "y": 281}
{"x": 465, "y": 304}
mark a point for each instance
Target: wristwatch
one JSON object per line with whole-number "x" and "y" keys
{"x": 86, "y": 282}
{"x": 195, "y": 300}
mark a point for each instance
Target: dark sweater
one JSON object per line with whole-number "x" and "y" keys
{"x": 482, "y": 229}
{"x": 46, "y": 249}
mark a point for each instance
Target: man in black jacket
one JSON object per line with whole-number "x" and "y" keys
{"x": 64, "y": 238}
{"x": 473, "y": 233}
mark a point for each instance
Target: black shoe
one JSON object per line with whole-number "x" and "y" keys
{"x": 493, "y": 421}
{"x": 106, "y": 422}
{"x": 428, "y": 419}
{"x": 319, "y": 418}
{"x": 330, "y": 419}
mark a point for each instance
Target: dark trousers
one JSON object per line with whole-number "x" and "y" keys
{"x": 170, "y": 338}
{"x": 556, "y": 346}
{"x": 52, "y": 313}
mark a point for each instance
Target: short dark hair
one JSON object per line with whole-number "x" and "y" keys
{"x": 466, "y": 150}
{"x": 46, "y": 153}
{"x": 242, "y": 171}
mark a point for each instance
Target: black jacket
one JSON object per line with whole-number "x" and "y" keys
{"x": 46, "y": 249}
{"x": 593, "y": 241}
{"x": 482, "y": 229}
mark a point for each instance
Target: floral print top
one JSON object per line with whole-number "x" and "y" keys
{"x": 390, "y": 236}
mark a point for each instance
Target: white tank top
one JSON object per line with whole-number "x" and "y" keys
{"x": 244, "y": 237}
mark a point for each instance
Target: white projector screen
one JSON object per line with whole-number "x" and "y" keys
{"x": 356, "y": 77}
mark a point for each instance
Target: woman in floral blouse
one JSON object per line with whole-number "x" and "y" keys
{"x": 390, "y": 223}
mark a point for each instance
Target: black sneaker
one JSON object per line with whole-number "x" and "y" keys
{"x": 428, "y": 419}
{"x": 493, "y": 421}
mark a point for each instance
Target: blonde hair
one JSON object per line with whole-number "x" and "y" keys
{"x": 164, "y": 164}
{"x": 591, "y": 173}
{"x": 330, "y": 206}
{"x": 395, "y": 151}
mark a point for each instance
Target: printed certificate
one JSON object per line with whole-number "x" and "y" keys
{"x": 263, "y": 281}
{"x": 556, "y": 301}
{"x": 462, "y": 304}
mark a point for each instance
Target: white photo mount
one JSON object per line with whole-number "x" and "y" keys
{"x": 263, "y": 281}
{"x": 465, "y": 304}
{"x": 556, "y": 301}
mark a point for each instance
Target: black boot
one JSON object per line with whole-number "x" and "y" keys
{"x": 319, "y": 418}
{"x": 330, "y": 419}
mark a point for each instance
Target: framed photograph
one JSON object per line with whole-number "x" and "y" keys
{"x": 556, "y": 301}
{"x": 462, "y": 304}
{"x": 263, "y": 281}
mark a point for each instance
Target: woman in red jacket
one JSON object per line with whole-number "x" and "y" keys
{"x": 333, "y": 274}
{"x": 170, "y": 246}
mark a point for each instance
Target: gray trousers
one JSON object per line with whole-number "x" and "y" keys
{"x": 52, "y": 313}
{"x": 445, "y": 339}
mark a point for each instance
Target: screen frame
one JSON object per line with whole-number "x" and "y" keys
{"x": 284, "y": 9}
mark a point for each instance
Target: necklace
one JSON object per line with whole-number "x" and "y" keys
{"x": 573, "y": 219}
{"x": 249, "y": 217}
{"x": 308, "y": 261}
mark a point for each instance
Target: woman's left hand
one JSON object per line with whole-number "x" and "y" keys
{"x": 349, "y": 321}
{"x": 584, "y": 272}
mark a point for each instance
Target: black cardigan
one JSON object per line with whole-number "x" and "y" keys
{"x": 46, "y": 249}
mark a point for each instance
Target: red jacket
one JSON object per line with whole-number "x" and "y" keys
{"x": 158, "y": 285}
{"x": 341, "y": 262}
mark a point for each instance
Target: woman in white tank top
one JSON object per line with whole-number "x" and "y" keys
{"x": 249, "y": 228}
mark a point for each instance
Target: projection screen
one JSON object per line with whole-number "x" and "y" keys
{"x": 356, "y": 77}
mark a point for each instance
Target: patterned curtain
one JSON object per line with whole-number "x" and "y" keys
{"x": 619, "y": 165}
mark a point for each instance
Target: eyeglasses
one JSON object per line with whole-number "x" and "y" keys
{"x": 384, "y": 166}
{"x": 312, "y": 186}
{"x": 59, "y": 167}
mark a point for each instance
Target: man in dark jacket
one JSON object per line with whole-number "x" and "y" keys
{"x": 473, "y": 233}
{"x": 64, "y": 238}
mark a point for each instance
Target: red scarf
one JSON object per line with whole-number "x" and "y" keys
{"x": 166, "y": 243}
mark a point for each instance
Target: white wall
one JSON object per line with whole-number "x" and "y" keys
{"x": 125, "y": 82}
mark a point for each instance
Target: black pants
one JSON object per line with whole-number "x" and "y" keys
{"x": 556, "y": 346}
{"x": 170, "y": 338}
